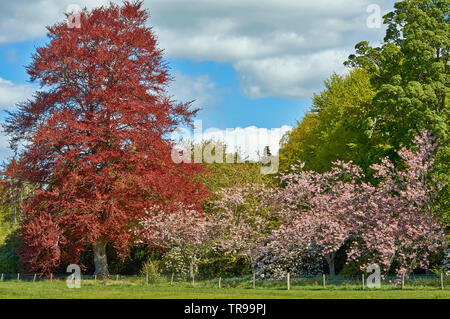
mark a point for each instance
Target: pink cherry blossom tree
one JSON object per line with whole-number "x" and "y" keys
{"x": 387, "y": 222}
{"x": 284, "y": 253}
{"x": 398, "y": 223}
{"x": 243, "y": 217}
{"x": 317, "y": 208}
{"x": 314, "y": 215}
{"x": 186, "y": 230}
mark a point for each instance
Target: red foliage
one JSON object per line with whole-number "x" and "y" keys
{"x": 97, "y": 136}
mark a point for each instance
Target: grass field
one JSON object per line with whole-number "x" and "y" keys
{"x": 89, "y": 289}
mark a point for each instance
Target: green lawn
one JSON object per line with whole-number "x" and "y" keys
{"x": 124, "y": 290}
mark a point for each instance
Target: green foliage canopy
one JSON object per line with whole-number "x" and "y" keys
{"x": 336, "y": 128}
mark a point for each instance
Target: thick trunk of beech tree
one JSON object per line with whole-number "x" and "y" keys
{"x": 100, "y": 260}
{"x": 330, "y": 261}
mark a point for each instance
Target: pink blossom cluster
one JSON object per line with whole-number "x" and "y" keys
{"x": 314, "y": 215}
{"x": 244, "y": 216}
{"x": 390, "y": 221}
{"x": 183, "y": 230}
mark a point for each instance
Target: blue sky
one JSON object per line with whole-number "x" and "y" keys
{"x": 247, "y": 63}
{"x": 229, "y": 107}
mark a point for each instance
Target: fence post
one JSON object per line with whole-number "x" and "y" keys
{"x": 403, "y": 281}
{"x": 51, "y": 277}
{"x": 117, "y": 277}
{"x": 146, "y": 278}
{"x": 323, "y": 281}
{"x": 95, "y": 279}
{"x": 1, "y": 279}
{"x": 254, "y": 280}
{"x": 362, "y": 276}
{"x": 171, "y": 280}
{"x": 18, "y": 276}
{"x": 288, "y": 281}
{"x": 220, "y": 280}
{"x": 34, "y": 278}
{"x": 442, "y": 280}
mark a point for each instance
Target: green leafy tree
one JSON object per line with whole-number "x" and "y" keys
{"x": 5, "y": 225}
{"x": 335, "y": 129}
{"x": 224, "y": 168}
{"x": 300, "y": 142}
{"x": 227, "y": 171}
{"x": 410, "y": 72}
{"x": 9, "y": 237}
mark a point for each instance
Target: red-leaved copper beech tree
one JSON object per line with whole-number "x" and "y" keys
{"x": 96, "y": 138}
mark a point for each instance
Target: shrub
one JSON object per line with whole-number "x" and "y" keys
{"x": 9, "y": 259}
{"x": 173, "y": 262}
{"x": 150, "y": 269}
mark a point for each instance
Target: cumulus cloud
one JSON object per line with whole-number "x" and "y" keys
{"x": 282, "y": 48}
{"x": 26, "y": 19}
{"x": 200, "y": 89}
{"x": 290, "y": 76}
{"x": 5, "y": 151}
{"x": 12, "y": 93}
{"x": 248, "y": 141}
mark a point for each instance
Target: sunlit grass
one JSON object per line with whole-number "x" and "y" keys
{"x": 138, "y": 289}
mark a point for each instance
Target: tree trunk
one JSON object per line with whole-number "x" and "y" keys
{"x": 191, "y": 269}
{"x": 330, "y": 261}
{"x": 100, "y": 260}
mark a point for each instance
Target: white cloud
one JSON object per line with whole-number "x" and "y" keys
{"x": 200, "y": 88}
{"x": 5, "y": 151}
{"x": 250, "y": 141}
{"x": 12, "y": 93}
{"x": 26, "y": 19}
{"x": 283, "y": 48}
{"x": 297, "y": 43}
{"x": 290, "y": 76}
